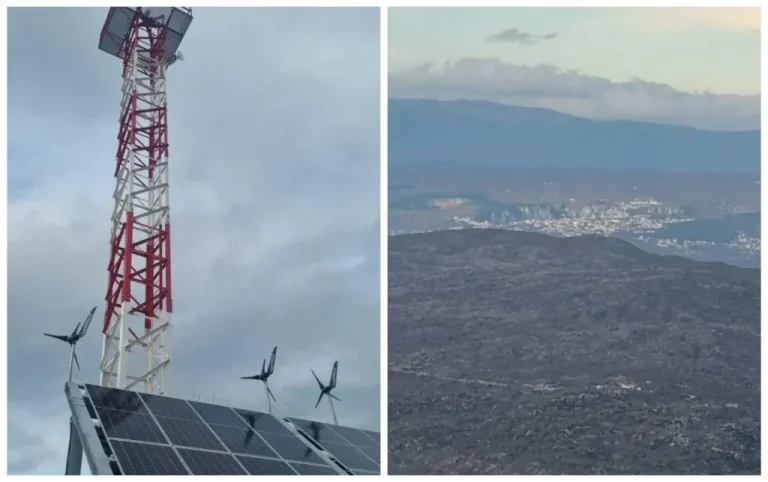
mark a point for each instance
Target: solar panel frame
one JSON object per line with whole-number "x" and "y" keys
{"x": 364, "y": 456}
{"x": 165, "y": 415}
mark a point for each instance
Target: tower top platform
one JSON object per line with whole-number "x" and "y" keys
{"x": 174, "y": 20}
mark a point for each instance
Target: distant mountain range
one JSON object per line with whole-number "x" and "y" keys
{"x": 487, "y": 134}
{"x": 522, "y": 353}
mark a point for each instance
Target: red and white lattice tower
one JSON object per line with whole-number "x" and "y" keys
{"x": 136, "y": 351}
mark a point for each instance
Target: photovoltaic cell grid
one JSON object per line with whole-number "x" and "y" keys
{"x": 358, "y": 450}
{"x": 156, "y": 435}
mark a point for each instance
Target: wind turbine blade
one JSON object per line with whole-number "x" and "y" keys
{"x": 58, "y": 337}
{"x": 249, "y": 378}
{"x": 333, "y": 374}
{"x": 270, "y": 394}
{"x": 318, "y": 380}
{"x": 74, "y": 333}
{"x": 263, "y": 364}
{"x": 74, "y": 354}
{"x": 87, "y": 322}
{"x": 271, "y": 368}
{"x": 318, "y": 399}
{"x": 334, "y": 397}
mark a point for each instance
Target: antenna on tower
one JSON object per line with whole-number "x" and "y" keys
{"x": 177, "y": 56}
{"x": 326, "y": 390}
{"x": 264, "y": 377}
{"x": 72, "y": 340}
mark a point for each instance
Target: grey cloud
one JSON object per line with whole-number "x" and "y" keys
{"x": 575, "y": 93}
{"x": 516, "y": 36}
{"x": 28, "y": 450}
{"x": 274, "y": 130}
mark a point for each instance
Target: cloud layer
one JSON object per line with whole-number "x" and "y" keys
{"x": 274, "y": 130}
{"x": 575, "y": 93}
{"x": 515, "y": 36}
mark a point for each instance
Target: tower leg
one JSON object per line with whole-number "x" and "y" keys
{"x": 333, "y": 411}
{"x": 122, "y": 353}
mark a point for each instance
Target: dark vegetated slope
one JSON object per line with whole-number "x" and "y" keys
{"x": 522, "y": 353}
{"x": 484, "y": 133}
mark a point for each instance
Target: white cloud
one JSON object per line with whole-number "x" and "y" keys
{"x": 575, "y": 93}
{"x": 677, "y": 18}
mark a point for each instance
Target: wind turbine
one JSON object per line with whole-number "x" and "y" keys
{"x": 264, "y": 377}
{"x": 326, "y": 390}
{"x": 73, "y": 339}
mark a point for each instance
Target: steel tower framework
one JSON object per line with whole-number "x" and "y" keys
{"x": 137, "y": 342}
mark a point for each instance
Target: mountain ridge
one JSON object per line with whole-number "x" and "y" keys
{"x": 490, "y": 134}
{"x": 591, "y": 240}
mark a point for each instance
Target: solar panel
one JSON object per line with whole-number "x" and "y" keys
{"x": 308, "y": 469}
{"x": 216, "y": 414}
{"x": 262, "y": 466}
{"x": 373, "y": 436}
{"x": 243, "y": 441}
{"x": 129, "y": 425}
{"x": 211, "y": 463}
{"x": 141, "y": 434}
{"x": 186, "y": 433}
{"x": 357, "y": 450}
{"x": 143, "y": 459}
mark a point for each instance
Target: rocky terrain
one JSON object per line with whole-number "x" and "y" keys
{"x": 522, "y": 353}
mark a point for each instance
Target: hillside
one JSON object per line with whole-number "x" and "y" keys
{"x": 521, "y": 353}
{"x": 484, "y": 133}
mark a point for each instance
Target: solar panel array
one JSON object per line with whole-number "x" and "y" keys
{"x": 157, "y": 435}
{"x": 358, "y": 450}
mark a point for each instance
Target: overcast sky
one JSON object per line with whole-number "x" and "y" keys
{"x": 274, "y": 131}
{"x": 693, "y": 66}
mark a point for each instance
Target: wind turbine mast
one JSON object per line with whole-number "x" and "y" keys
{"x": 136, "y": 350}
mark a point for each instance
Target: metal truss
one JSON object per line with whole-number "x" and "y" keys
{"x": 136, "y": 350}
